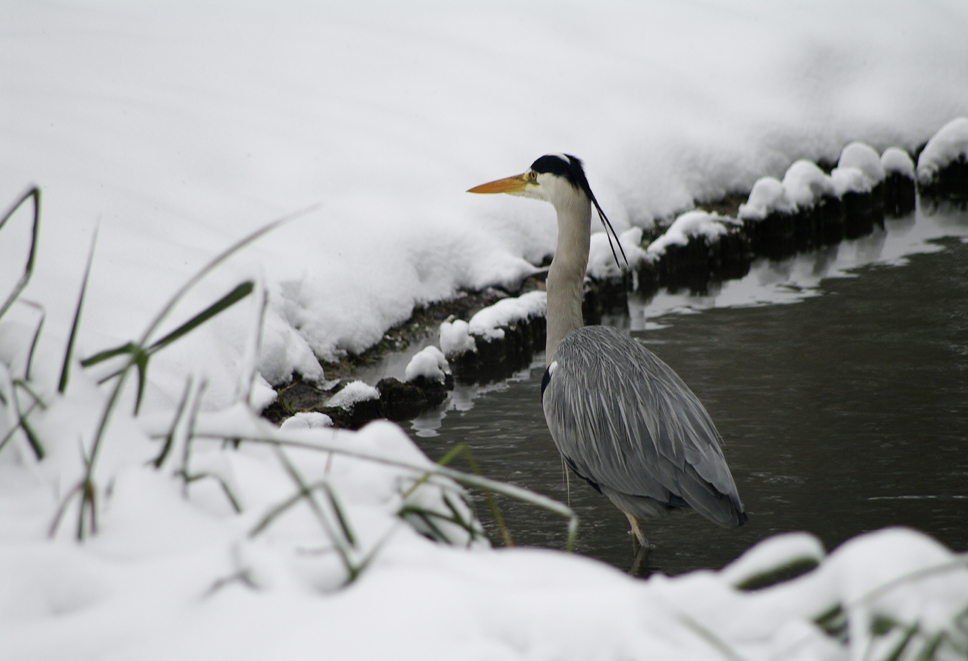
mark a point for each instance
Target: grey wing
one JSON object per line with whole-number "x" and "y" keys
{"x": 626, "y": 422}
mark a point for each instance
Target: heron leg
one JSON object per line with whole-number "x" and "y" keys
{"x": 638, "y": 537}
{"x": 640, "y": 545}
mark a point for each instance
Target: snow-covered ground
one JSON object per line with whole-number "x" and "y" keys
{"x": 176, "y": 129}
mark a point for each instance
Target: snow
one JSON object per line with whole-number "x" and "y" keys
{"x": 768, "y": 196}
{"x": 944, "y": 147}
{"x": 850, "y": 180}
{"x": 487, "y": 322}
{"x": 429, "y": 363}
{"x": 174, "y": 129}
{"x": 805, "y": 184}
{"x": 709, "y": 226}
{"x": 307, "y": 420}
{"x": 895, "y": 160}
{"x": 353, "y": 393}
{"x": 455, "y": 337}
{"x": 864, "y": 158}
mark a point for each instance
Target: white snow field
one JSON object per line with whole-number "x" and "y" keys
{"x": 174, "y": 129}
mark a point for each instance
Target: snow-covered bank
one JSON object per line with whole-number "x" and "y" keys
{"x": 179, "y": 128}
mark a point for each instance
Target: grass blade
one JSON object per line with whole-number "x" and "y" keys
{"x": 227, "y": 301}
{"x": 65, "y": 370}
{"x": 170, "y": 438}
{"x": 34, "y": 193}
{"x": 340, "y": 517}
{"x": 100, "y": 357}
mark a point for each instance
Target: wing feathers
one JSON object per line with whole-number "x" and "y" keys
{"x": 625, "y": 421}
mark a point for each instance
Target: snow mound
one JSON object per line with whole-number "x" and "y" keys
{"x": 866, "y": 159}
{"x": 896, "y": 160}
{"x": 709, "y": 226}
{"x": 307, "y": 420}
{"x": 850, "y": 180}
{"x": 947, "y": 145}
{"x": 430, "y": 363}
{"x": 487, "y": 323}
{"x": 455, "y": 338}
{"x": 353, "y": 393}
{"x": 805, "y": 184}
{"x": 768, "y": 196}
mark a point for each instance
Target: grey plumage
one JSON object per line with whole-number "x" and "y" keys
{"x": 623, "y": 420}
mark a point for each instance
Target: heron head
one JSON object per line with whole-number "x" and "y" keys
{"x": 554, "y": 178}
{"x": 551, "y": 178}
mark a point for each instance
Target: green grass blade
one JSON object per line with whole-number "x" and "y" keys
{"x": 227, "y": 301}
{"x": 100, "y": 357}
{"x": 33, "y": 193}
{"x": 65, "y": 370}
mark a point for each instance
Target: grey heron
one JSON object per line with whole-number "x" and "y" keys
{"x": 621, "y": 418}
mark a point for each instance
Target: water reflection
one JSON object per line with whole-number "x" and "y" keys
{"x": 844, "y": 413}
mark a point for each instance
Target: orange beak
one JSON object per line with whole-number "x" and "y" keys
{"x": 516, "y": 184}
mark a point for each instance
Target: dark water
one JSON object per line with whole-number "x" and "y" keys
{"x": 843, "y": 411}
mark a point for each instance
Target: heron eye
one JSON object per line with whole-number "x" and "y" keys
{"x": 533, "y": 176}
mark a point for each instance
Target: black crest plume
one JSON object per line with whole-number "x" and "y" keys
{"x": 571, "y": 169}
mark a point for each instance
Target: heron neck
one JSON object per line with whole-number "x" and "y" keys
{"x": 567, "y": 272}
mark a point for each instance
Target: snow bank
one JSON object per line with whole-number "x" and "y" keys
{"x": 859, "y": 170}
{"x": 384, "y": 116}
{"x": 945, "y": 146}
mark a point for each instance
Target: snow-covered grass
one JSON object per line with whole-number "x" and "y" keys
{"x": 176, "y": 129}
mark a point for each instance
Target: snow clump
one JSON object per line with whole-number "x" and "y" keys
{"x": 947, "y": 145}
{"x": 709, "y": 226}
{"x": 895, "y": 160}
{"x": 850, "y": 180}
{"x": 805, "y": 183}
{"x": 307, "y": 420}
{"x": 429, "y": 363}
{"x": 455, "y": 337}
{"x": 864, "y": 158}
{"x": 488, "y": 321}
{"x": 354, "y": 393}
{"x": 768, "y": 195}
